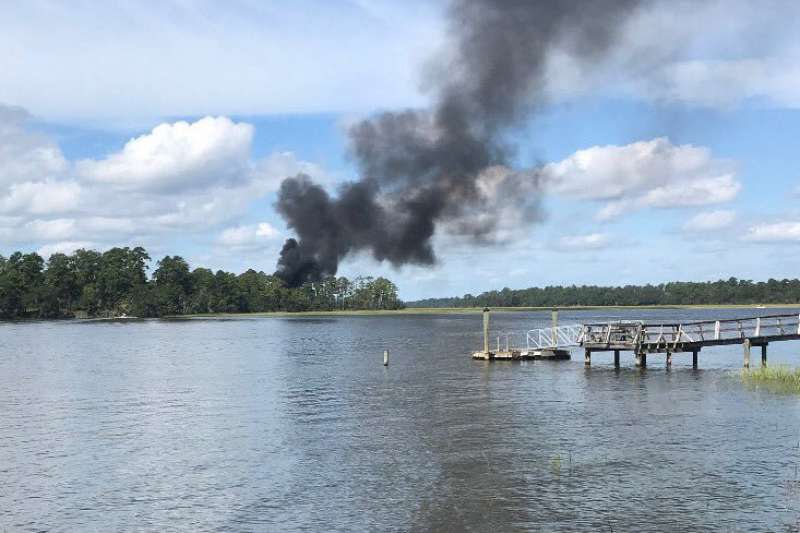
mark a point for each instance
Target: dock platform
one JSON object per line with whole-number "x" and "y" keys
{"x": 555, "y": 354}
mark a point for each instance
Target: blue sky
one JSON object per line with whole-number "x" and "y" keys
{"x": 171, "y": 125}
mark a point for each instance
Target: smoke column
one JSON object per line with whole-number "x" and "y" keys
{"x": 447, "y": 167}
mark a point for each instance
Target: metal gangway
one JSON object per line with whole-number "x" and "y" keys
{"x": 554, "y": 338}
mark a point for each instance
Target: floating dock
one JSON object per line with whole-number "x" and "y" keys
{"x": 555, "y": 354}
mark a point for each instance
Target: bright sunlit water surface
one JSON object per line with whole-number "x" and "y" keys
{"x": 293, "y": 424}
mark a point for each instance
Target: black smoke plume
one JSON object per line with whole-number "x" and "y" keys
{"x": 448, "y": 167}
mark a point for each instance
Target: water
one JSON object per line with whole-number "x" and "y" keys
{"x": 293, "y": 424}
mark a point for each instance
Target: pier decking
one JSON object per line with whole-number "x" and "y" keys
{"x": 655, "y": 338}
{"x": 644, "y": 338}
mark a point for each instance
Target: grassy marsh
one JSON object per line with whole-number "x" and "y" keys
{"x": 778, "y": 378}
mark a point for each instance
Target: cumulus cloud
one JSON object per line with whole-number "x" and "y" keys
{"x": 774, "y": 232}
{"x": 710, "y": 220}
{"x": 654, "y": 173}
{"x": 41, "y": 197}
{"x": 248, "y": 236}
{"x": 213, "y": 150}
{"x": 182, "y": 177}
{"x": 591, "y": 241}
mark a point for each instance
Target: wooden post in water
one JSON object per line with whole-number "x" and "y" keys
{"x": 764, "y": 355}
{"x": 587, "y": 357}
{"x": 486, "y": 331}
{"x": 616, "y": 358}
{"x": 641, "y": 359}
{"x": 669, "y": 359}
{"x": 694, "y": 359}
{"x": 386, "y": 358}
{"x": 746, "y": 345}
{"x": 554, "y": 321}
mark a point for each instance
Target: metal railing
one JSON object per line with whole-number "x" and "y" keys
{"x": 633, "y": 333}
{"x": 558, "y": 337}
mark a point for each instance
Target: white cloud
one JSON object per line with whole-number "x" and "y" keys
{"x": 24, "y": 155}
{"x": 710, "y": 220}
{"x": 178, "y": 156}
{"x": 724, "y": 83}
{"x": 50, "y": 230}
{"x": 150, "y": 58}
{"x": 41, "y": 197}
{"x": 64, "y": 247}
{"x": 676, "y": 51}
{"x": 180, "y": 178}
{"x": 774, "y": 232}
{"x": 173, "y": 58}
{"x": 701, "y": 191}
{"x": 591, "y": 241}
{"x": 653, "y": 173}
{"x": 248, "y": 237}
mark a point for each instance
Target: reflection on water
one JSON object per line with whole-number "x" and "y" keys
{"x": 290, "y": 424}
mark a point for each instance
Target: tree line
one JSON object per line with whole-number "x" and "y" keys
{"x": 730, "y": 291}
{"x": 116, "y": 282}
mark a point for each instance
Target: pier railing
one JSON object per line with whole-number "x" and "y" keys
{"x": 705, "y": 332}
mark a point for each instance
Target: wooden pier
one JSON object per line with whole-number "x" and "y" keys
{"x": 687, "y": 337}
{"x": 644, "y": 338}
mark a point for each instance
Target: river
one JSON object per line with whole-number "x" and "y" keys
{"x": 293, "y": 424}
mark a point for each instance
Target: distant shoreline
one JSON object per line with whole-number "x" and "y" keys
{"x": 409, "y": 311}
{"x": 467, "y": 310}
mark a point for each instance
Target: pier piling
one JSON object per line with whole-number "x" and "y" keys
{"x": 554, "y": 324}
{"x": 616, "y": 358}
{"x": 486, "y": 331}
{"x": 764, "y": 355}
{"x": 587, "y": 358}
{"x": 746, "y": 345}
{"x": 669, "y": 359}
{"x": 386, "y": 358}
{"x": 694, "y": 359}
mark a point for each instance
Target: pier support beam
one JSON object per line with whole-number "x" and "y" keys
{"x": 587, "y": 358}
{"x": 641, "y": 359}
{"x": 669, "y": 359}
{"x": 694, "y": 359}
{"x": 763, "y": 355}
{"x": 746, "y": 345}
{"x": 616, "y": 358}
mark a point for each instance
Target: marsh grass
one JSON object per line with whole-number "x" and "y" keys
{"x": 779, "y": 378}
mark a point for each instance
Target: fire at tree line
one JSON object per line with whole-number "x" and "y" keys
{"x": 115, "y": 282}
